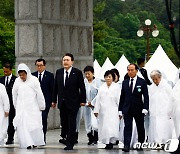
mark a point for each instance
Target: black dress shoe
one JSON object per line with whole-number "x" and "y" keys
{"x": 116, "y": 143}
{"x": 76, "y": 142}
{"x": 63, "y": 141}
{"x": 10, "y": 142}
{"x": 68, "y": 148}
{"x": 109, "y": 146}
{"x": 90, "y": 142}
{"x": 139, "y": 149}
{"x": 29, "y": 147}
{"x": 126, "y": 149}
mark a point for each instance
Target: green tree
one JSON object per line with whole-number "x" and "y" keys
{"x": 7, "y": 41}
{"x": 7, "y": 9}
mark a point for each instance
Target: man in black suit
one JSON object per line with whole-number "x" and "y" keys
{"x": 70, "y": 89}
{"x": 141, "y": 62}
{"x": 8, "y": 80}
{"x": 46, "y": 80}
{"x": 132, "y": 105}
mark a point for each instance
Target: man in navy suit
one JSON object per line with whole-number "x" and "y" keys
{"x": 46, "y": 80}
{"x": 8, "y": 80}
{"x": 70, "y": 88}
{"x": 132, "y": 105}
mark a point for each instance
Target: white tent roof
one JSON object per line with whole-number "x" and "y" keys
{"x": 97, "y": 68}
{"x": 121, "y": 66}
{"x": 106, "y": 66}
{"x": 160, "y": 61}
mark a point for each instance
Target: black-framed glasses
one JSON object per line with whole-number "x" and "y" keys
{"x": 39, "y": 65}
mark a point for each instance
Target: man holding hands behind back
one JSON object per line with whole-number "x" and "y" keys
{"x": 70, "y": 89}
{"x": 132, "y": 105}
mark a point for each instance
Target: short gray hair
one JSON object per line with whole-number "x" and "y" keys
{"x": 155, "y": 73}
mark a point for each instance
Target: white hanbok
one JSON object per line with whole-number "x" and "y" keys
{"x": 107, "y": 102}
{"x": 29, "y": 102}
{"x": 161, "y": 112}
{"x": 4, "y": 107}
{"x": 176, "y": 118}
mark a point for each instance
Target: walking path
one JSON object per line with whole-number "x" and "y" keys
{"x": 54, "y": 147}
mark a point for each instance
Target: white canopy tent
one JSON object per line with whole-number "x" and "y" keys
{"x": 161, "y": 62}
{"x": 106, "y": 66}
{"x": 97, "y": 68}
{"x": 121, "y": 66}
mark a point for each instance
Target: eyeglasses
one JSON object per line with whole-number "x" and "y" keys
{"x": 39, "y": 65}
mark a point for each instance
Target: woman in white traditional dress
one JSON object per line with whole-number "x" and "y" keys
{"x": 4, "y": 112}
{"x": 160, "y": 109}
{"x": 106, "y": 109}
{"x": 176, "y": 118}
{"x": 29, "y": 102}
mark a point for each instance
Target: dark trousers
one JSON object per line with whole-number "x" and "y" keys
{"x": 68, "y": 123}
{"x": 11, "y": 130}
{"x": 128, "y": 120}
{"x": 44, "y": 120}
{"x": 64, "y": 123}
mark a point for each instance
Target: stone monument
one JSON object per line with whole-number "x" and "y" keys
{"x": 50, "y": 28}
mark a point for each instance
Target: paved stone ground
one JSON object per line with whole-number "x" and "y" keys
{"x": 54, "y": 147}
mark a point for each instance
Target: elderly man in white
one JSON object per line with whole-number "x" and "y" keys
{"x": 4, "y": 112}
{"x": 29, "y": 102}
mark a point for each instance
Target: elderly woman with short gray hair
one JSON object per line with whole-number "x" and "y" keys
{"x": 160, "y": 109}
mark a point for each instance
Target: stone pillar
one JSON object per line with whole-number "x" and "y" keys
{"x": 50, "y": 28}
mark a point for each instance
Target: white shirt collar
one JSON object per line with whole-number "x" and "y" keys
{"x": 134, "y": 81}
{"x": 9, "y": 77}
{"x": 135, "y": 78}
{"x": 42, "y": 73}
{"x": 69, "y": 71}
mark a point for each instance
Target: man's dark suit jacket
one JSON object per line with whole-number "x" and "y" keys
{"x": 73, "y": 93}
{"x": 133, "y": 101}
{"x": 9, "y": 88}
{"x": 47, "y": 84}
{"x": 144, "y": 74}
{"x": 12, "y": 110}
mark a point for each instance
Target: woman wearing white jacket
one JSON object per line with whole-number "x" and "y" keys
{"x": 29, "y": 102}
{"x": 106, "y": 109}
{"x": 4, "y": 112}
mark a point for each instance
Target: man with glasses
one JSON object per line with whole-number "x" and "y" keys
{"x": 46, "y": 80}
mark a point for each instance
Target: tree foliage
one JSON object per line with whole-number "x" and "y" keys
{"x": 115, "y": 26}
{"x": 120, "y": 22}
{"x": 7, "y": 36}
{"x": 7, "y": 42}
{"x": 7, "y": 9}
